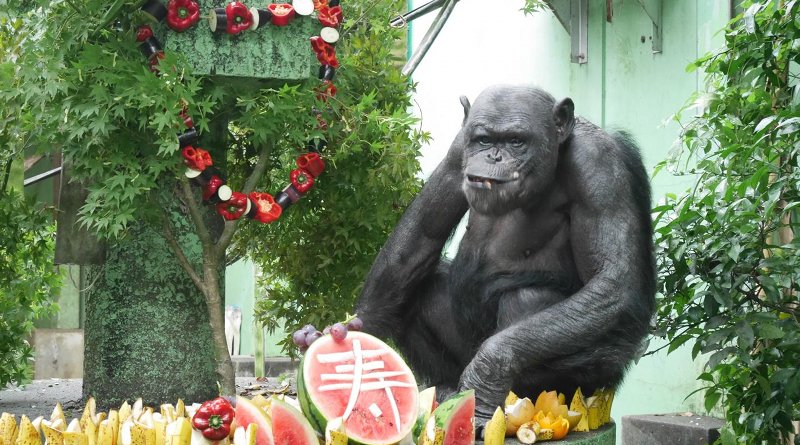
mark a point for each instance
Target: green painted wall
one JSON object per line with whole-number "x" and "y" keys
{"x": 625, "y": 85}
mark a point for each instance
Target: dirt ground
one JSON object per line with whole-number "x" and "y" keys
{"x": 40, "y": 396}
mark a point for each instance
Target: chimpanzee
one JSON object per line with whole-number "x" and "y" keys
{"x": 553, "y": 284}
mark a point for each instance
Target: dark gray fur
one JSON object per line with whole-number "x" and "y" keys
{"x": 553, "y": 285}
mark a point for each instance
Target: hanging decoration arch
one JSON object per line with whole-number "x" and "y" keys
{"x": 235, "y": 18}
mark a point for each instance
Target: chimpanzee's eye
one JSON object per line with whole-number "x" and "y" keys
{"x": 485, "y": 140}
{"x": 517, "y": 142}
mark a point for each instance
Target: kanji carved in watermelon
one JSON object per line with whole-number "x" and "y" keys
{"x": 363, "y": 381}
{"x": 246, "y": 413}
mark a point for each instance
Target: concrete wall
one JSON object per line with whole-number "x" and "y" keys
{"x": 623, "y": 85}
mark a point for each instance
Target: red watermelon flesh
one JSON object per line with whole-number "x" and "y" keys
{"x": 379, "y": 408}
{"x": 461, "y": 430}
{"x": 289, "y": 427}
{"x": 247, "y": 413}
{"x": 456, "y": 417}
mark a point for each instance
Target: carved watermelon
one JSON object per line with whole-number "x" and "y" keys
{"x": 452, "y": 422}
{"x": 363, "y": 381}
{"x": 247, "y": 413}
{"x": 289, "y": 427}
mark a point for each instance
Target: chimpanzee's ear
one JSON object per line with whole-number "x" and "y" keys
{"x": 564, "y": 117}
{"x": 466, "y": 105}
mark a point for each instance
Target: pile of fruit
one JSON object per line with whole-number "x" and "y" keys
{"x": 351, "y": 388}
{"x": 549, "y": 418}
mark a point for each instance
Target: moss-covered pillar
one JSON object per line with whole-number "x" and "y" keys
{"x": 147, "y": 333}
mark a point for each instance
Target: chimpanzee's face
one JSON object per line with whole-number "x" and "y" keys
{"x": 511, "y": 150}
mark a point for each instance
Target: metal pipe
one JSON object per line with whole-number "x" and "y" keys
{"x": 401, "y": 20}
{"x": 41, "y": 176}
{"x": 429, "y": 37}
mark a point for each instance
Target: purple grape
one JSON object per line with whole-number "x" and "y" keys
{"x": 309, "y": 328}
{"x": 338, "y": 332}
{"x": 310, "y": 338}
{"x": 355, "y": 324}
{"x": 326, "y": 331}
{"x": 299, "y": 337}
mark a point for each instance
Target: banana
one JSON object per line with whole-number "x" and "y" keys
{"x": 106, "y": 434}
{"x": 8, "y": 428}
{"x": 179, "y": 432}
{"x": 494, "y": 433}
{"x": 528, "y": 432}
{"x": 335, "y": 433}
{"x": 58, "y": 414}
{"x": 73, "y": 434}
{"x": 52, "y": 432}
{"x": 27, "y": 434}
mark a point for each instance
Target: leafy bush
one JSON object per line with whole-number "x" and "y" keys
{"x": 729, "y": 260}
{"x": 28, "y": 281}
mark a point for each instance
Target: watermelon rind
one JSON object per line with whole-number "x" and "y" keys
{"x": 315, "y": 416}
{"x": 447, "y": 411}
{"x": 300, "y": 424}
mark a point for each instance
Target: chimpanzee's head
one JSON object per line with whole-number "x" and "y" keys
{"x": 512, "y": 136}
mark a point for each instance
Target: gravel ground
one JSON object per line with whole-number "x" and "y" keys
{"x": 40, "y": 396}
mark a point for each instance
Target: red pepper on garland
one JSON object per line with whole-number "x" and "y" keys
{"x": 143, "y": 33}
{"x": 212, "y": 186}
{"x": 214, "y": 418}
{"x": 330, "y": 16}
{"x": 326, "y": 90}
{"x": 267, "y": 210}
{"x": 301, "y": 180}
{"x": 319, "y": 4}
{"x": 182, "y": 14}
{"x": 282, "y": 13}
{"x": 325, "y": 52}
{"x": 196, "y": 158}
{"x": 239, "y": 17}
{"x": 312, "y": 163}
{"x": 233, "y": 208}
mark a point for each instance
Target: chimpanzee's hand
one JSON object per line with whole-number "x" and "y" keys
{"x": 490, "y": 375}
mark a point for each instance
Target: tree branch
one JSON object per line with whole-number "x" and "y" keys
{"x": 194, "y": 211}
{"x": 252, "y": 180}
{"x": 182, "y": 260}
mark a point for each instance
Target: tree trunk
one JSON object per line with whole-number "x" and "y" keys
{"x": 147, "y": 331}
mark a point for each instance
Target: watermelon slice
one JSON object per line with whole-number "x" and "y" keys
{"x": 453, "y": 422}
{"x": 247, "y": 413}
{"x": 363, "y": 381}
{"x": 289, "y": 427}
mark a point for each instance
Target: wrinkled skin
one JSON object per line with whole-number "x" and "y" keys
{"x": 553, "y": 285}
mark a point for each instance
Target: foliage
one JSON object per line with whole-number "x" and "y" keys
{"x": 316, "y": 257}
{"x": 729, "y": 260}
{"x": 28, "y": 280}
{"x": 80, "y": 85}
{"x": 532, "y": 6}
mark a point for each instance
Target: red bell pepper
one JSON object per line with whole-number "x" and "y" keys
{"x": 330, "y": 16}
{"x": 322, "y": 124}
{"x": 187, "y": 120}
{"x": 326, "y": 90}
{"x": 301, "y": 180}
{"x": 318, "y": 4}
{"x": 212, "y": 186}
{"x": 196, "y": 158}
{"x": 143, "y": 33}
{"x": 267, "y": 210}
{"x": 312, "y": 163}
{"x": 282, "y": 13}
{"x": 239, "y": 17}
{"x": 325, "y": 52}
{"x": 233, "y": 209}
{"x": 214, "y": 417}
{"x": 182, "y": 14}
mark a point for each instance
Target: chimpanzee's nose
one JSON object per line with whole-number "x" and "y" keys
{"x": 494, "y": 156}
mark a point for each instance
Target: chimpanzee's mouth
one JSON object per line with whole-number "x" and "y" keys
{"x": 483, "y": 182}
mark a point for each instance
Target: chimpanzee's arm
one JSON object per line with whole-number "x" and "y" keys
{"x": 414, "y": 248}
{"x": 611, "y": 239}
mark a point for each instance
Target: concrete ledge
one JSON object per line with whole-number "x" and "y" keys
{"x": 670, "y": 429}
{"x": 244, "y": 366}
{"x": 58, "y": 353}
{"x": 605, "y": 435}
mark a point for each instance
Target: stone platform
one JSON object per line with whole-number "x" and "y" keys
{"x": 605, "y": 435}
